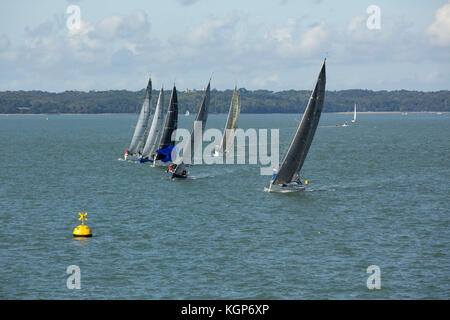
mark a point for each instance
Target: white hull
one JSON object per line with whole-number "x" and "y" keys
{"x": 291, "y": 187}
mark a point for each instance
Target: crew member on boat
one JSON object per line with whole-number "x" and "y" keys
{"x": 126, "y": 154}
{"x": 274, "y": 173}
{"x": 297, "y": 179}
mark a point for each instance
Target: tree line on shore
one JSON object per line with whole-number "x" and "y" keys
{"x": 258, "y": 101}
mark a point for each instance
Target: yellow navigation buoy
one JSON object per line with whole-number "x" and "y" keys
{"x": 82, "y": 230}
{"x": 306, "y": 181}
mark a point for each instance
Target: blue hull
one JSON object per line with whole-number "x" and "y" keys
{"x": 142, "y": 160}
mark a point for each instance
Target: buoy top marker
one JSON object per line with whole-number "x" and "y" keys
{"x": 82, "y": 217}
{"x": 82, "y": 230}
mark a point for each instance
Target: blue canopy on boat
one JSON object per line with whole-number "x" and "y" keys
{"x": 168, "y": 153}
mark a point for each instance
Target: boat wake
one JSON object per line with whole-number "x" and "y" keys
{"x": 202, "y": 176}
{"x": 320, "y": 189}
{"x": 281, "y": 191}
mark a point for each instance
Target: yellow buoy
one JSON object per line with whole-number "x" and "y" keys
{"x": 82, "y": 230}
{"x": 306, "y": 181}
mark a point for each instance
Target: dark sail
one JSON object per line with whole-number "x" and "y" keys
{"x": 232, "y": 120}
{"x": 202, "y": 116}
{"x": 202, "y": 113}
{"x": 171, "y": 122}
{"x": 295, "y": 157}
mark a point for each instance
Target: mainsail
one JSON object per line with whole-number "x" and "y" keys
{"x": 354, "y": 115}
{"x": 296, "y": 154}
{"x": 155, "y": 128}
{"x": 232, "y": 121}
{"x": 201, "y": 117}
{"x": 170, "y": 124}
{"x": 137, "y": 143}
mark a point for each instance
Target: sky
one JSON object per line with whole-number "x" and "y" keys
{"x": 275, "y": 45}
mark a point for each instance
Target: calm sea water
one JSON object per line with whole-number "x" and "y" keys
{"x": 378, "y": 195}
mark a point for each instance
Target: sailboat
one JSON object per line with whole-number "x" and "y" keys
{"x": 231, "y": 124}
{"x": 187, "y": 113}
{"x": 298, "y": 150}
{"x": 163, "y": 154}
{"x": 178, "y": 168}
{"x": 354, "y": 115}
{"x": 155, "y": 130}
{"x": 141, "y": 130}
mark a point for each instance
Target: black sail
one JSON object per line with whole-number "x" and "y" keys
{"x": 202, "y": 116}
{"x": 232, "y": 120}
{"x": 171, "y": 122}
{"x": 295, "y": 157}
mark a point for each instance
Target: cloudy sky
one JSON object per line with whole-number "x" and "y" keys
{"x": 265, "y": 44}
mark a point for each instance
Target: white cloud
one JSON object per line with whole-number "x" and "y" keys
{"x": 135, "y": 25}
{"x": 266, "y": 81}
{"x": 439, "y": 30}
{"x": 285, "y": 32}
{"x": 313, "y": 38}
{"x": 292, "y": 41}
{"x": 187, "y": 2}
{"x": 119, "y": 52}
{"x": 211, "y": 30}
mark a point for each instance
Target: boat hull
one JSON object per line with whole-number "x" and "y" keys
{"x": 291, "y": 187}
{"x": 142, "y": 160}
{"x": 173, "y": 175}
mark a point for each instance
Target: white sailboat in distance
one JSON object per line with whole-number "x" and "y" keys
{"x": 354, "y": 115}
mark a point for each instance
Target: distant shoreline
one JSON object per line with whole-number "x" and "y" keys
{"x": 124, "y": 114}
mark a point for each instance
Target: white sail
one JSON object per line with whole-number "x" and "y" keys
{"x": 354, "y": 115}
{"x": 155, "y": 129}
{"x": 137, "y": 143}
{"x": 231, "y": 124}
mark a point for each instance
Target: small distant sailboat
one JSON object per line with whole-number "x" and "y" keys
{"x": 298, "y": 150}
{"x": 354, "y": 115}
{"x": 187, "y": 113}
{"x": 345, "y": 124}
{"x": 141, "y": 130}
{"x": 231, "y": 124}
{"x": 155, "y": 130}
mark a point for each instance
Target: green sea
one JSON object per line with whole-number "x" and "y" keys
{"x": 378, "y": 194}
